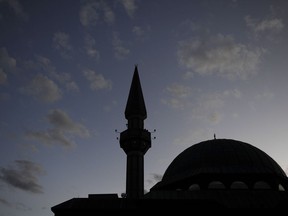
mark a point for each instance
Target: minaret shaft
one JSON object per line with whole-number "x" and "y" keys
{"x": 135, "y": 175}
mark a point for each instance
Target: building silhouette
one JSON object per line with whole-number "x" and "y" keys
{"x": 217, "y": 173}
{"x": 135, "y": 141}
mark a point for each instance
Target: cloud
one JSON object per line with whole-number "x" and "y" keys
{"x": 72, "y": 86}
{"x": 137, "y": 30}
{"x": 219, "y": 55}
{"x": 110, "y": 106}
{"x": 194, "y": 136}
{"x": 120, "y": 51}
{"x": 130, "y": 6}
{"x": 157, "y": 177}
{"x": 93, "y": 12}
{"x": 205, "y": 106}
{"x": 6, "y": 61}
{"x": 97, "y": 81}
{"x": 90, "y": 47}
{"x": 42, "y": 88}
{"x": 209, "y": 106}
{"x": 15, "y": 205}
{"x": 265, "y": 96}
{"x": 61, "y": 42}
{"x": 107, "y": 13}
{"x": 178, "y": 96}
{"x": 5, "y": 202}
{"x": 141, "y": 32}
{"x": 88, "y": 14}
{"x": 21, "y": 206}
{"x": 17, "y": 8}
{"x": 50, "y": 137}
{"x": 266, "y": 25}
{"x": 3, "y": 76}
{"x": 180, "y": 91}
{"x": 215, "y": 117}
{"x": 63, "y": 77}
{"x": 7, "y": 64}
{"x": 24, "y": 175}
{"x": 201, "y": 105}
{"x": 154, "y": 178}
{"x": 62, "y": 121}
{"x": 63, "y": 129}
{"x": 45, "y": 65}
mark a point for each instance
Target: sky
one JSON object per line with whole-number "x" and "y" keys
{"x": 206, "y": 67}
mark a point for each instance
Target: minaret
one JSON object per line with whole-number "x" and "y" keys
{"x": 136, "y": 140}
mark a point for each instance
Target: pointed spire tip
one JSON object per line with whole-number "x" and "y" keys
{"x": 135, "y": 103}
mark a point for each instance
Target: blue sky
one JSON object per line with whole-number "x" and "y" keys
{"x": 65, "y": 71}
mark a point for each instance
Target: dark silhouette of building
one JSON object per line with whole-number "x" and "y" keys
{"x": 136, "y": 140}
{"x": 217, "y": 173}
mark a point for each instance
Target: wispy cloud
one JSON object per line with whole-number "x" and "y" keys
{"x": 63, "y": 128}
{"x": 43, "y": 89}
{"x": 154, "y": 178}
{"x": 44, "y": 65}
{"x": 265, "y": 25}
{"x": 209, "y": 106}
{"x": 120, "y": 51}
{"x": 93, "y": 12}
{"x": 17, "y": 8}
{"x": 7, "y": 64}
{"x": 137, "y": 30}
{"x": 141, "y": 32}
{"x": 157, "y": 177}
{"x": 194, "y": 136}
{"x": 3, "y": 76}
{"x": 178, "y": 96}
{"x": 61, "y": 42}
{"x": 88, "y": 14}
{"x": 15, "y": 205}
{"x": 220, "y": 55}
{"x": 110, "y": 106}
{"x": 23, "y": 175}
{"x": 265, "y": 96}
{"x": 267, "y": 28}
{"x": 97, "y": 81}
{"x": 108, "y": 14}
{"x": 130, "y": 6}
{"x": 63, "y": 78}
{"x": 90, "y": 47}
{"x": 97, "y": 12}
{"x": 5, "y": 202}
{"x": 62, "y": 121}
{"x": 201, "y": 105}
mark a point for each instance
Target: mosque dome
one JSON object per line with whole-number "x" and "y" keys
{"x": 224, "y": 162}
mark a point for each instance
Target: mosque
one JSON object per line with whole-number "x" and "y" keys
{"x": 217, "y": 173}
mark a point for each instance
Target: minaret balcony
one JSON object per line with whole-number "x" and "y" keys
{"x": 135, "y": 140}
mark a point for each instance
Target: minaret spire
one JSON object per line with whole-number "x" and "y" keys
{"x": 136, "y": 140}
{"x": 135, "y": 104}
